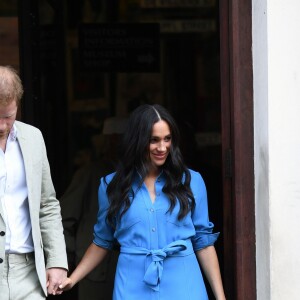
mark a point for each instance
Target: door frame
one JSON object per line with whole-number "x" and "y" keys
{"x": 238, "y": 148}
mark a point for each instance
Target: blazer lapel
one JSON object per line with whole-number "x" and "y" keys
{"x": 27, "y": 157}
{"x": 1, "y": 212}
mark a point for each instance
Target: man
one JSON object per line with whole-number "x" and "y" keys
{"x": 79, "y": 207}
{"x": 33, "y": 258}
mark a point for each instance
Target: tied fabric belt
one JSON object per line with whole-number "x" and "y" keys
{"x": 154, "y": 271}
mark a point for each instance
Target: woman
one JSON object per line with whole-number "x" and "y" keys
{"x": 156, "y": 209}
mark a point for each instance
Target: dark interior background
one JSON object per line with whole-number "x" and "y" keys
{"x": 68, "y": 99}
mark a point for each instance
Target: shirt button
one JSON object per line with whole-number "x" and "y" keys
{"x": 1, "y": 260}
{"x": 153, "y": 229}
{"x": 2, "y": 233}
{"x": 151, "y": 210}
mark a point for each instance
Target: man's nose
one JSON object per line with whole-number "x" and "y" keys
{"x": 2, "y": 124}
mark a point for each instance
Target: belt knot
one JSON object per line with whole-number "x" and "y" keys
{"x": 154, "y": 272}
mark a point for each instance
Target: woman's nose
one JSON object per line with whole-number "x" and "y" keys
{"x": 162, "y": 146}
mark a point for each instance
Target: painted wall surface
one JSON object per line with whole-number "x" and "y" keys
{"x": 261, "y": 147}
{"x": 276, "y": 67}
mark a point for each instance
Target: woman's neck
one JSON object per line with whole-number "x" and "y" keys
{"x": 153, "y": 172}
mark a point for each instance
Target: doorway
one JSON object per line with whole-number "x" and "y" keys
{"x": 73, "y": 101}
{"x": 71, "y": 89}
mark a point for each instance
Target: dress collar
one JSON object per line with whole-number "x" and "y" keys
{"x": 138, "y": 177}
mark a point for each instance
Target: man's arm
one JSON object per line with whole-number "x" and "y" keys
{"x": 51, "y": 229}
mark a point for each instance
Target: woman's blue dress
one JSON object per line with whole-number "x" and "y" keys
{"x": 157, "y": 256}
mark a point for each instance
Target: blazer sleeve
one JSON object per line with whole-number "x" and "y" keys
{"x": 50, "y": 218}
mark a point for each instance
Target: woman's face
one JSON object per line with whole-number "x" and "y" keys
{"x": 160, "y": 143}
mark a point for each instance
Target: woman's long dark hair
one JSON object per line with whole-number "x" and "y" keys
{"x": 133, "y": 158}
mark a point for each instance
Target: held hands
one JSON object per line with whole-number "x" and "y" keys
{"x": 92, "y": 257}
{"x": 55, "y": 276}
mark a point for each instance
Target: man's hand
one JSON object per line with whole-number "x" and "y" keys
{"x": 55, "y": 277}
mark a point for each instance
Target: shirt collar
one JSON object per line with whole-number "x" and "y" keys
{"x": 13, "y": 133}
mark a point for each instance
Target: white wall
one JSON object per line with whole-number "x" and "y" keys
{"x": 276, "y": 67}
{"x": 261, "y": 147}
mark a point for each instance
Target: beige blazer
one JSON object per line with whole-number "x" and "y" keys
{"x": 44, "y": 208}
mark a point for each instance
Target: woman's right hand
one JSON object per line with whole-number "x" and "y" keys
{"x": 66, "y": 285}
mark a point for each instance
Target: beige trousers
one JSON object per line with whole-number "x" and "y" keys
{"x": 19, "y": 280}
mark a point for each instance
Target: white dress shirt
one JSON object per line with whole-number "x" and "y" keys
{"x": 14, "y": 197}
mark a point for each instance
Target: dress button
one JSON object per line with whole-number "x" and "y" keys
{"x": 153, "y": 229}
{"x": 2, "y": 233}
{"x": 1, "y": 260}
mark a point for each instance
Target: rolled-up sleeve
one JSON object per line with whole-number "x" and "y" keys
{"x": 204, "y": 235}
{"x": 103, "y": 232}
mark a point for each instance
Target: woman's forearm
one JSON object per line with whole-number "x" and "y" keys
{"x": 208, "y": 260}
{"x": 93, "y": 256}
